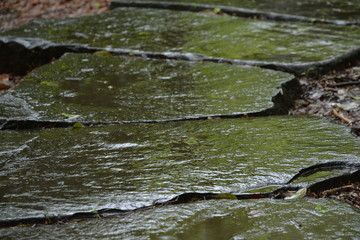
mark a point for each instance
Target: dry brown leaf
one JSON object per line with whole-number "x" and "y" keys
{"x": 4, "y": 78}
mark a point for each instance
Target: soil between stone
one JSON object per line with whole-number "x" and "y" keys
{"x": 335, "y": 95}
{"x": 14, "y": 13}
{"x": 349, "y": 194}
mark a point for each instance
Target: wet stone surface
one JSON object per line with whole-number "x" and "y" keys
{"x": 59, "y": 171}
{"x": 56, "y": 171}
{"x": 203, "y": 33}
{"x": 105, "y": 88}
{"x": 333, "y": 9}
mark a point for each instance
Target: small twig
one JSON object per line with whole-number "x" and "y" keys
{"x": 344, "y": 84}
{"x": 331, "y": 89}
{"x": 348, "y": 121}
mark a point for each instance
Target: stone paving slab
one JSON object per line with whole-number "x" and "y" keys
{"x": 333, "y": 9}
{"x": 106, "y": 88}
{"x": 203, "y": 33}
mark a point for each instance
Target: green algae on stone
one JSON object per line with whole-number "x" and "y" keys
{"x": 129, "y": 166}
{"x": 119, "y": 88}
{"x": 270, "y": 41}
{"x": 203, "y": 33}
{"x": 327, "y": 9}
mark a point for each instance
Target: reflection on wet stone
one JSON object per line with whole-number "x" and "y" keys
{"x": 98, "y": 88}
{"x": 202, "y": 33}
{"x": 56, "y": 171}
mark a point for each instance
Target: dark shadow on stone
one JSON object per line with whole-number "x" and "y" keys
{"x": 324, "y": 167}
{"x": 18, "y": 56}
{"x": 335, "y": 182}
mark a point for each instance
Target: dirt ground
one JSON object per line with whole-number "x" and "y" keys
{"x": 335, "y": 95}
{"x": 14, "y": 13}
{"x": 349, "y": 194}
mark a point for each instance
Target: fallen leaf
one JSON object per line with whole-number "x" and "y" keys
{"x": 102, "y": 53}
{"x": 4, "y": 77}
{"x": 67, "y": 115}
{"x": 348, "y": 106}
{"x": 299, "y": 194}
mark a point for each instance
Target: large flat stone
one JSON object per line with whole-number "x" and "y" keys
{"x": 204, "y": 33}
{"x": 333, "y": 9}
{"x": 57, "y": 171}
{"x": 99, "y": 88}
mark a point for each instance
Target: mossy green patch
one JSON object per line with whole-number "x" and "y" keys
{"x": 210, "y": 34}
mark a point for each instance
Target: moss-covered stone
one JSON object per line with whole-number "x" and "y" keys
{"x": 204, "y": 33}
{"x": 102, "y": 88}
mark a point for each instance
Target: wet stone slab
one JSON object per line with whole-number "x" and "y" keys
{"x": 57, "y": 171}
{"x": 328, "y": 9}
{"x": 204, "y": 33}
{"x": 107, "y": 88}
